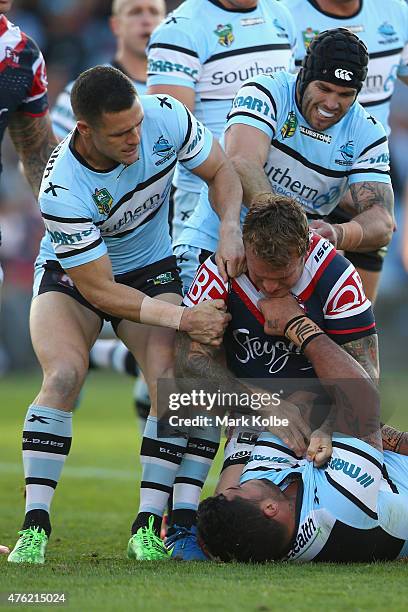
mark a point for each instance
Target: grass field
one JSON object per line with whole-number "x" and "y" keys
{"x": 95, "y": 504}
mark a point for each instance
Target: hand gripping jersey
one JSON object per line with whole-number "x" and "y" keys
{"x": 354, "y": 509}
{"x": 383, "y": 26}
{"x": 62, "y": 115}
{"x": 329, "y": 290}
{"x": 23, "y": 80}
{"x": 123, "y": 211}
{"x": 213, "y": 50}
{"x": 315, "y": 168}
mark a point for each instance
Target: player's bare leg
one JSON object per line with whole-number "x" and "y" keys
{"x": 62, "y": 332}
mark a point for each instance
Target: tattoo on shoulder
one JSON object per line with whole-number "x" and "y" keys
{"x": 370, "y": 193}
{"x": 365, "y": 352}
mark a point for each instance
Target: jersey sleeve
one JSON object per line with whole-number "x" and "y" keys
{"x": 35, "y": 102}
{"x": 373, "y": 161}
{"x": 173, "y": 55}
{"x": 62, "y": 116}
{"x": 197, "y": 142}
{"x": 347, "y": 311}
{"x": 207, "y": 285}
{"x": 255, "y": 105}
{"x": 76, "y": 239}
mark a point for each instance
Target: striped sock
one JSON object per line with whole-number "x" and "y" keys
{"x": 160, "y": 458}
{"x": 46, "y": 442}
{"x": 201, "y": 449}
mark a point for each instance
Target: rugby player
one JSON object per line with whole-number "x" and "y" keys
{"x": 386, "y": 38}
{"x": 202, "y": 53}
{"x": 106, "y": 250}
{"x": 289, "y": 265}
{"x": 306, "y": 136}
{"x": 23, "y": 100}
{"x": 132, "y": 22}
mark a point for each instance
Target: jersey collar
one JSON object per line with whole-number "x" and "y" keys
{"x": 317, "y": 7}
{"x": 83, "y": 161}
{"x": 232, "y": 10}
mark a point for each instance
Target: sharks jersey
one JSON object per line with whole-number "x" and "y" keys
{"x": 62, "y": 115}
{"x": 315, "y": 168}
{"x": 329, "y": 290}
{"x": 213, "y": 50}
{"x": 355, "y": 509}
{"x": 383, "y": 26}
{"x": 123, "y": 211}
{"x": 23, "y": 80}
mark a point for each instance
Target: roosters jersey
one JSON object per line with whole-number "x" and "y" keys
{"x": 329, "y": 290}
{"x": 212, "y": 50}
{"x": 23, "y": 80}
{"x": 354, "y": 509}
{"x": 383, "y": 26}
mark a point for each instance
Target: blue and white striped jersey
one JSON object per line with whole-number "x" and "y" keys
{"x": 62, "y": 115}
{"x": 383, "y": 26}
{"x": 123, "y": 211}
{"x": 213, "y": 50}
{"x": 354, "y": 509}
{"x": 315, "y": 168}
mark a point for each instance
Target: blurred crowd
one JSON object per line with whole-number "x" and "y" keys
{"x": 74, "y": 35}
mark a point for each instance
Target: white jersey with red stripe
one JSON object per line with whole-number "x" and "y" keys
{"x": 329, "y": 290}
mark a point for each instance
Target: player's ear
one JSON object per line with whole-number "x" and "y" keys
{"x": 83, "y": 127}
{"x": 270, "y": 508}
{"x": 114, "y": 24}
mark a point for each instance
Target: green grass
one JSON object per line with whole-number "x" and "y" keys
{"x": 95, "y": 505}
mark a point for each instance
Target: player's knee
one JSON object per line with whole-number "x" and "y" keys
{"x": 65, "y": 379}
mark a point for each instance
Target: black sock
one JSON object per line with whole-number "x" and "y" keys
{"x": 142, "y": 520}
{"x": 183, "y": 518}
{"x": 38, "y": 518}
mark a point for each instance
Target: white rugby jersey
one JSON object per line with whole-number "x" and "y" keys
{"x": 382, "y": 25}
{"x": 315, "y": 168}
{"x": 213, "y": 50}
{"x": 122, "y": 211}
{"x": 353, "y": 509}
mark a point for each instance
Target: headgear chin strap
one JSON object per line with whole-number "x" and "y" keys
{"x": 336, "y": 56}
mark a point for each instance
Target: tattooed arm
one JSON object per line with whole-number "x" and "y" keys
{"x": 365, "y": 352}
{"x": 34, "y": 141}
{"x": 374, "y": 206}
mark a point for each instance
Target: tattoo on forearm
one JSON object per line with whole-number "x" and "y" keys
{"x": 368, "y": 194}
{"x": 365, "y": 352}
{"x": 391, "y": 438}
{"x": 34, "y": 142}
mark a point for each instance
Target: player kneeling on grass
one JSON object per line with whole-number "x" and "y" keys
{"x": 302, "y": 308}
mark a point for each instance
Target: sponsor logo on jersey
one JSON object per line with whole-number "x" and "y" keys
{"x": 356, "y": 29}
{"x": 388, "y": 33}
{"x": 206, "y": 286}
{"x": 306, "y": 131}
{"x": 351, "y": 470}
{"x": 347, "y": 153}
{"x": 225, "y": 35}
{"x": 103, "y": 200}
{"x": 281, "y": 30}
{"x": 288, "y": 129}
{"x": 308, "y": 35}
{"x": 130, "y": 217}
{"x": 163, "y": 149}
{"x": 167, "y": 66}
{"x": 63, "y": 238}
{"x": 52, "y": 160}
{"x": 274, "y": 354}
{"x": 162, "y": 279}
{"x": 343, "y": 74}
{"x": 242, "y": 74}
{"x": 255, "y": 104}
{"x": 251, "y": 21}
{"x": 347, "y": 296}
{"x": 305, "y": 533}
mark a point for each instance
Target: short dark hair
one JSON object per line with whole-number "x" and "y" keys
{"x": 102, "y": 89}
{"x": 238, "y": 530}
{"x": 276, "y": 228}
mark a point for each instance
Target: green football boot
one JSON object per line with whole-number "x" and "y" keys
{"x": 30, "y": 547}
{"x": 145, "y": 545}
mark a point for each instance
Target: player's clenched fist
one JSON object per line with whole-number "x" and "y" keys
{"x": 206, "y": 322}
{"x": 278, "y": 311}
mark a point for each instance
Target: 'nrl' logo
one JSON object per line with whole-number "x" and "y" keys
{"x": 225, "y": 35}
{"x": 103, "y": 200}
{"x": 289, "y": 127}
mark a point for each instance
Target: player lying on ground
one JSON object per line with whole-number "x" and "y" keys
{"x": 284, "y": 260}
